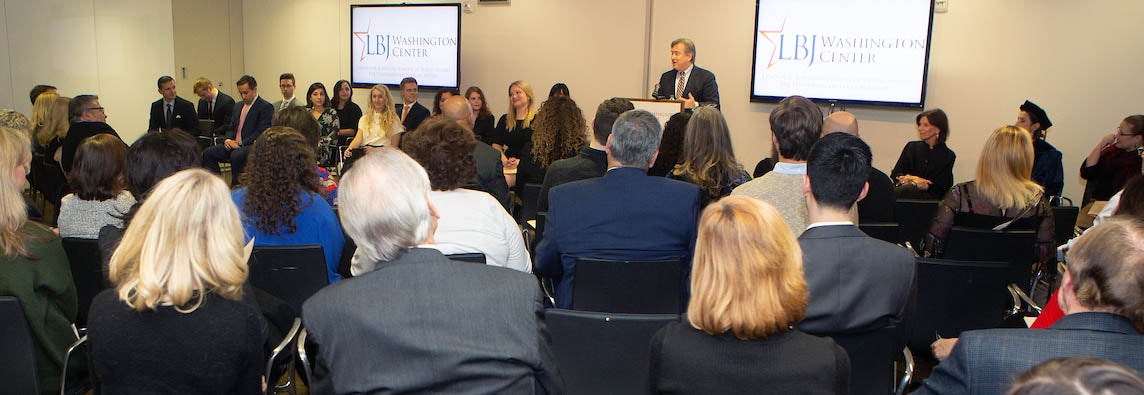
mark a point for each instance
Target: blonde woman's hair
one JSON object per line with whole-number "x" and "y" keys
{"x": 55, "y": 123}
{"x": 511, "y": 121}
{"x": 185, "y": 241}
{"x": 1005, "y": 169}
{"x": 388, "y": 115}
{"x": 747, "y": 272}
{"x": 15, "y": 150}
{"x": 40, "y": 114}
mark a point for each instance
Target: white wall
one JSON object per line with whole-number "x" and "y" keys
{"x": 113, "y": 48}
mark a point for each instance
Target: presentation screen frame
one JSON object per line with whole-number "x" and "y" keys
{"x": 920, "y": 103}
{"x": 357, "y": 81}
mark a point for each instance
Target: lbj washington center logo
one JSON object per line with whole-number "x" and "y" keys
{"x": 399, "y": 46}
{"x": 828, "y": 48}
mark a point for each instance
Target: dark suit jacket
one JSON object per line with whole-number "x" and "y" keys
{"x": 417, "y": 114}
{"x": 490, "y": 173}
{"x": 422, "y": 323}
{"x": 701, "y": 84}
{"x": 183, "y": 116}
{"x": 986, "y": 361}
{"x": 878, "y": 206}
{"x": 856, "y": 283}
{"x": 624, "y": 215}
{"x": 78, "y": 131}
{"x": 257, "y": 120}
{"x": 223, "y": 109}
{"x": 590, "y": 163}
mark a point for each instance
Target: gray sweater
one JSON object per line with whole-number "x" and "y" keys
{"x": 83, "y": 218}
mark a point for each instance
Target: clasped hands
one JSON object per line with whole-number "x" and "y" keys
{"x": 919, "y": 182}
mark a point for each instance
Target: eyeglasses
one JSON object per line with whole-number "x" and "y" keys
{"x": 95, "y": 108}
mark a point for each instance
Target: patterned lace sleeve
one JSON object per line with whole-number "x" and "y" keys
{"x": 934, "y": 243}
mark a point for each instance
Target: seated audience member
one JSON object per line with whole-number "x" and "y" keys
{"x": 172, "y": 111}
{"x": 299, "y": 119}
{"x": 857, "y": 283}
{"x": 748, "y": 293}
{"x": 470, "y": 221}
{"x": 378, "y": 127}
{"x": 925, "y": 168}
{"x": 175, "y": 322}
{"x": 287, "y": 84}
{"x": 247, "y": 122}
{"x": 51, "y": 131}
{"x": 1048, "y": 170}
{"x": 39, "y": 90}
{"x": 514, "y": 128}
{"x": 1102, "y": 296}
{"x": 708, "y": 160}
{"x": 281, "y": 201}
{"x": 1001, "y": 193}
{"x": 795, "y": 125}
{"x": 100, "y": 197}
{"x": 1113, "y": 161}
{"x": 766, "y": 164}
{"x": 33, "y": 265}
{"x": 1078, "y": 376}
{"x": 88, "y": 118}
{"x": 41, "y": 113}
{"x": 490, "y": 172}
{"x": 878, "y": 205}
{"x": 213, "y": 104}
{"x": 152, "y": 157}
{"x": 592, "y": 161}
{"x": 624, "y": 215}
{"x": 349, "y": 113}
{"x": 671, "y": 146}
{"x": 319, "y": 107}
{"x": 558, "y": 133}
{"x": 441, "y": 96}
{"x": 558, "y": 89}
{"x": 409, "y": 112}
{"x": 411, "y": 320}
{"x": 485, "y": 122}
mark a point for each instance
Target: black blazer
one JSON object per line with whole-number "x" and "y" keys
{"x": 223, "y": 108}
{"x": 417, "y": 114}
{"x": 257, "y": 120}
{"x": 490, "y": 172}
{"x": 183, "y": 116}
{"x": 701, "y": 84}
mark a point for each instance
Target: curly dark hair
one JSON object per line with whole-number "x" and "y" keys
{"x": 559, "y": 130}
{"x": 445, "y": 149}
{"x": 279, "y": 170}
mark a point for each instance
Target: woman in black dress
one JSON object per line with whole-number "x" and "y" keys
{"x": 514, "y": 129}
{"x": 348, "y": 112}
{"x": 485, "y": 123}
{"x": 925, "y": 168}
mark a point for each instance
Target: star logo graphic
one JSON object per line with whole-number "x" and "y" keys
{"x": 358, "y": 35}
{"x": 774, "y": 47}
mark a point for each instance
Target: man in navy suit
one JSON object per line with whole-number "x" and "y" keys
{"x": 246, "y": 124}
{"x": 1102, "y": 296}
{"x": 686, "y": 81}
{"x": 409, "y": 110}
{"x": 624, "y": 215}
{"x": 857, "y": 283}
{"x": 172, "y": 111}
{"x": 213, "y": 105}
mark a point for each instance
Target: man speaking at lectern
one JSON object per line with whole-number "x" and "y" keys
{"x": 685, "y": 81}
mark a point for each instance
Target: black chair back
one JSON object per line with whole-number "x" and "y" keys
{"x": 87, "y": 272}
{"x": 914, "y": 217}
{"x": 955, "y": 296}
{"x": 1016, "y": 247}
{"x": 887, "y": 232}
{"x": 18, "y": 359}
{"x": 639, "y": 287}
{"x": 529, "y": 196}
{"x": 290, "y": 273}
{"x": 871, "y": 359}
{"x": 600, "y": 353}
{"x": 1064, "y": 223}
{"x": 474, "y": 257}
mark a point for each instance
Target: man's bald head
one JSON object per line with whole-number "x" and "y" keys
{"x": 840, "y": 121}
{"x": 457, "y": 109}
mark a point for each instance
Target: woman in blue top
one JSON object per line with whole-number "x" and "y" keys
{"x": 281, "y": 201}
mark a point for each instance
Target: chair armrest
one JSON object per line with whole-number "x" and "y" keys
{"x": 1015, "y": 290}
{"x": 307, "y": 372}
{"x": 282, "y": 346}
{"x": 1015, "y": 298}
{"x": 908, "y": 372}
{"x": 67, "y": 358}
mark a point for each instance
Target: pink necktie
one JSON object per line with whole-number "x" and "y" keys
{"x": 241, "y": 120}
